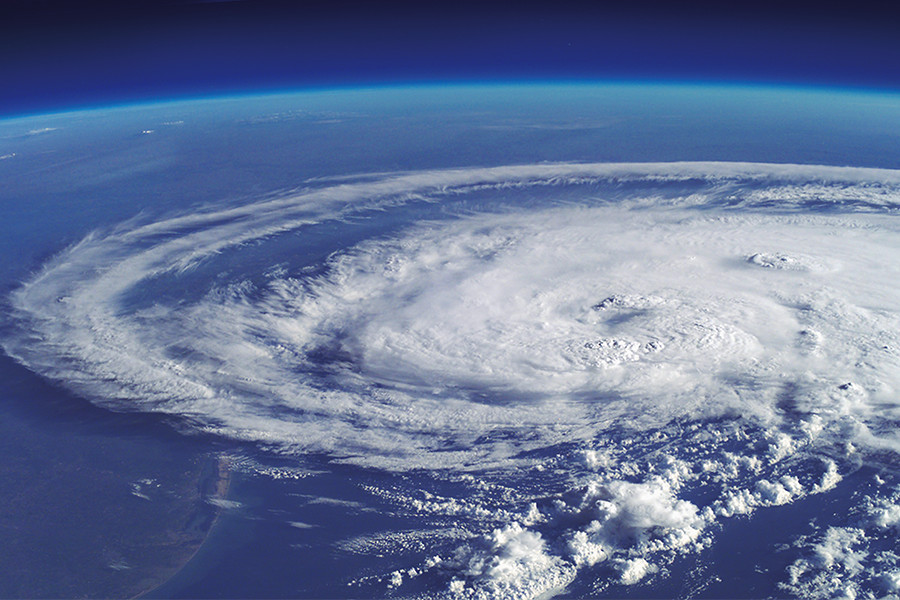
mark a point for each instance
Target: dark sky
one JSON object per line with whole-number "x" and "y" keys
{"x": 57, "y": 55}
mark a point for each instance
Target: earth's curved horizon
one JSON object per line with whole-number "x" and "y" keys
{"x": 582, "y": 339}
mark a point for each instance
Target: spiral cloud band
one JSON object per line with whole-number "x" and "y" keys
{"x": 472, "y": 318}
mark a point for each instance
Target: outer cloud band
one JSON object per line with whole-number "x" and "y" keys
{"x": 696, "y": 290}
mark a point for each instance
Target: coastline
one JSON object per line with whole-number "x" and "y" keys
{"x": 213, "y": 485}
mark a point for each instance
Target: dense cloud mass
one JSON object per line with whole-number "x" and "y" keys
{"x": 650, "y": 329}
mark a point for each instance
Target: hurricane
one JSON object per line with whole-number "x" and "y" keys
{"x": 610, "y": 361}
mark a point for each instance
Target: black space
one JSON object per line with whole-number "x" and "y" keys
{"x": 66, "y": 54}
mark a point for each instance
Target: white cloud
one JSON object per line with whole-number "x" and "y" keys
{"x": 506, "y": 304}
{"x": 468, "y": 340}
{"x": 40, "y": 130}
{"x": 511, "y": 562}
